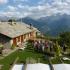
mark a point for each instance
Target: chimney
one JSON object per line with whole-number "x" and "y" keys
{"x": 11, "y": 22}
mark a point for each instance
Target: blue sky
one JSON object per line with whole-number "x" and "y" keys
{"x": 33, "y": 8}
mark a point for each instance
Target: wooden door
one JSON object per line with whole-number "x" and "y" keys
{"x": 14, "y": 42}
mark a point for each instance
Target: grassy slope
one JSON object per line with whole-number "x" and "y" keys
{"x": 23, "y": 55}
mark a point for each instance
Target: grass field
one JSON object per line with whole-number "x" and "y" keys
{"x": 23, "y": 55}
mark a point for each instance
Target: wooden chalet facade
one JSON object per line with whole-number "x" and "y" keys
{"x": 23, "y": 38}
{"x": 16, "y": 34}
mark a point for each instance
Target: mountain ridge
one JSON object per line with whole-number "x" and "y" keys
{"x": 50, "y": 25}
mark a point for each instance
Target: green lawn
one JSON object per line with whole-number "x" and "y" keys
{"x": 23, "y": 55}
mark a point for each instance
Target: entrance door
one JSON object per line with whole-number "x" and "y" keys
{"x": 14, "y": 42}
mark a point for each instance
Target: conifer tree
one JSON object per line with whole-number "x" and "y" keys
{"x": 57, "y": 50}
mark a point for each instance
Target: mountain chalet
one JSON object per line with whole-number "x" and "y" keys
{"x": 15, "y": 33}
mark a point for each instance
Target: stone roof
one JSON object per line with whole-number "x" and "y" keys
{"x": 14, "y": 29}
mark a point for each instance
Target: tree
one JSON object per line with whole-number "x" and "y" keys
{"x": 12, "y": 20}
{"x": 65, "y": 38}
{"x": 57, "y": 49}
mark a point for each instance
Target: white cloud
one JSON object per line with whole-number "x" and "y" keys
{"x": 68, "y": 1}
{"x": 51, "y": 9}
{"x": 3, "y": 1}
{"x": 41, "y": 10}
{"x": 11, "y": 8}
{"x": 11, "y": 14}
{"x": 20, "y": 6}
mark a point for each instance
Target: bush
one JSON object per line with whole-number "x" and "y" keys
{"x": 65, "y": 38}
{"x": 57, "y": 50}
